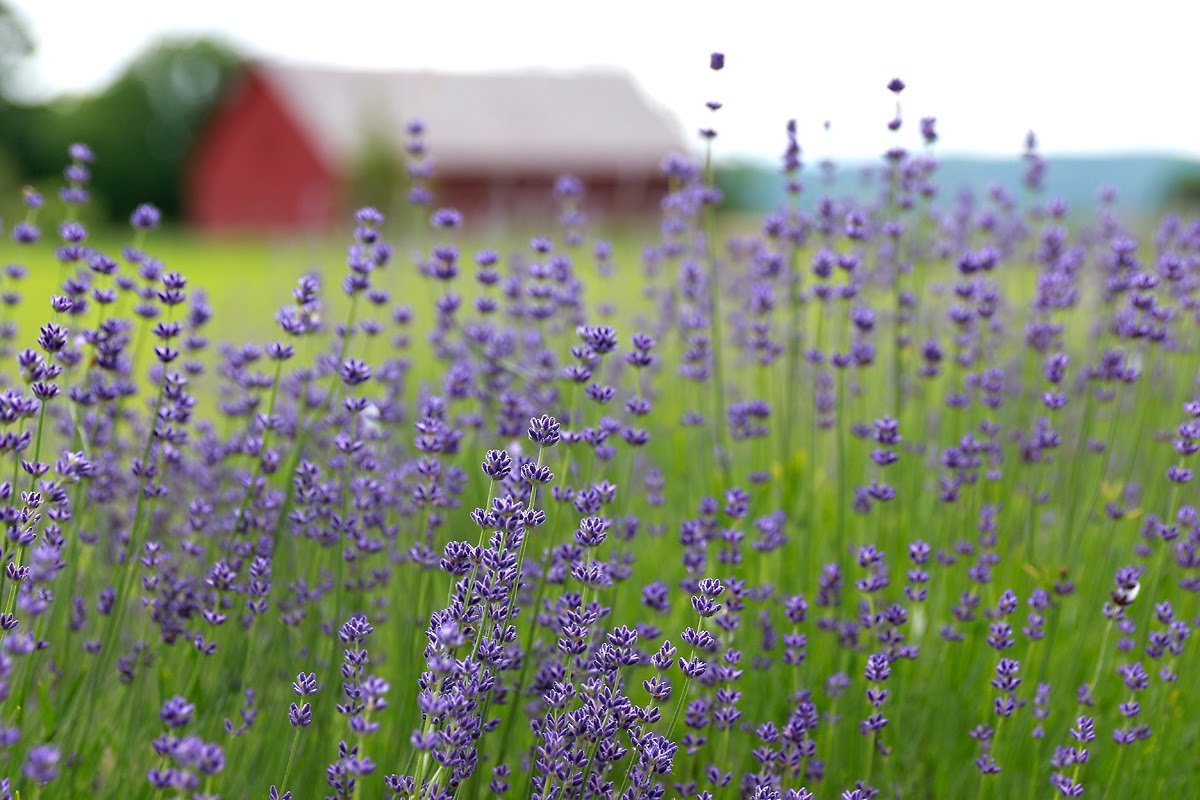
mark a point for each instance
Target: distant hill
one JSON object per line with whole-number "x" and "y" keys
{"x": 1142, "y": 182}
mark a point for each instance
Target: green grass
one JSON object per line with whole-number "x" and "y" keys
{"x": 936, "y": 700}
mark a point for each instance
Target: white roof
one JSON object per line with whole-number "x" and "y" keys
{"x": 538, "y": 122}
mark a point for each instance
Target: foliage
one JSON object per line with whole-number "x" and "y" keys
{"x": 144, "y": 125}
{"x": 1184, "y": 191}
{"x": 377, "y": 175}
{"x": 15, "y": 45}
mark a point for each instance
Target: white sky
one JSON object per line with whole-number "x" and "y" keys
{"x": 1088, "y": 76}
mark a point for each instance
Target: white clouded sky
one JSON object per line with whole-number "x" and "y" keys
{"x": 1088, "y": 76}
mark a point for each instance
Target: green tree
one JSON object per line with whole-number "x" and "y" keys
{"x": 16, "y": 45}
{"x": 377, "y": 176}
{"x": 143, "y": 127}
{"x": 1183, "y": 190}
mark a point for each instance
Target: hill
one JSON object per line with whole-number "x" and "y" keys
{"x": 1142, "y": 182}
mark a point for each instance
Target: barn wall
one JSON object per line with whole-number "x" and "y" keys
{"x": 257, "y": 170}
{"x": 531, "y": 195}
{"x": 254, "y": 170}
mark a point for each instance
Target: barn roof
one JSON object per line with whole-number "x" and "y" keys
{"x": 514, "y": 122}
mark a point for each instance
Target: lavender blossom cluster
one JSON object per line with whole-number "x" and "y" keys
{"x": 881, "y": 498}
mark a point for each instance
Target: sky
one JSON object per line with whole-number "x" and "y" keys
{"x": 1089, "y": 77}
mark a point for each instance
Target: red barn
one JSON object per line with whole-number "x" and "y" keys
{"x": 280, "y": 151}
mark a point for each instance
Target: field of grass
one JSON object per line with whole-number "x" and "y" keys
{"x": 890, "y": 500}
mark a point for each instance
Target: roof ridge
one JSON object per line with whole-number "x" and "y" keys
{"x": 519, "y": 120}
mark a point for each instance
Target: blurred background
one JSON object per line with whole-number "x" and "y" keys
{"x": 249, "y": 117}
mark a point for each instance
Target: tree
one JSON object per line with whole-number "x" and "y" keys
{"x": 1183, "y": 190}
{"x": 16, "y": 45}
{"x": 142, "y": 127}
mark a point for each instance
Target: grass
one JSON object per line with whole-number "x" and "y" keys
{"x": 1049, "y": 525}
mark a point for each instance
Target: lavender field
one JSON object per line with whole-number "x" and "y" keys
{"x": 887, "y": 497}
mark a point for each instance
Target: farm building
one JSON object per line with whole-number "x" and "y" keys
{"x": 282, "y": 150}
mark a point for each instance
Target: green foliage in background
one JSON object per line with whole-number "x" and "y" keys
{"x": 143, "y": 124}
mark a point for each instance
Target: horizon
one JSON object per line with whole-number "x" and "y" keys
{"x": 985, "y": 100}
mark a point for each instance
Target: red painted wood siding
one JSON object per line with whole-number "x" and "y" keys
{"x": 255, "y": 170}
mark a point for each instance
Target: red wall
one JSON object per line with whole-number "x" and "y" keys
{"x": 255, "y": 170}
{"x": 531, "y": 195}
